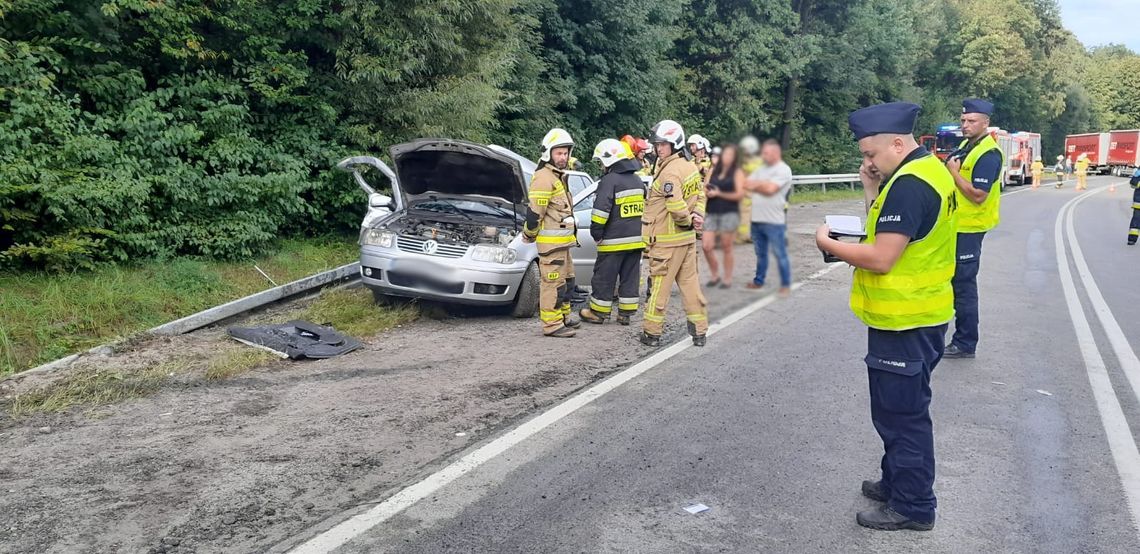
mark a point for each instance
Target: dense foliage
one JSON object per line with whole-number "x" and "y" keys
{"x": 135, "y": 128}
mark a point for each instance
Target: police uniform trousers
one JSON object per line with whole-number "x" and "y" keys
{"x": 899, "y": 365}
{"x": 1134, "y": 227}
{"x": 620, "y": 271}
{"x": 557, "y": 269}
{"x": 965, "y": 284}
{"x": 668, "y": 265}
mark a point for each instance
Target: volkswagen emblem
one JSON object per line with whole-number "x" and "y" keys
{"x": 430, "y": 246}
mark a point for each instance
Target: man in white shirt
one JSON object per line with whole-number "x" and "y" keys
{"x": 770, "y": 185}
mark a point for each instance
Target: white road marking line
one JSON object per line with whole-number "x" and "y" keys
{"x": 1125, "y": 455}
{"x": 1129, "y": 363}
{"x": 359, "y": 524}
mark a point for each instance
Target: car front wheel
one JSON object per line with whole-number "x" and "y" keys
{"x": 526, "y": 303}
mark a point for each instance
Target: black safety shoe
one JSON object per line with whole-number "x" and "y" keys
{"x": 623, "y": 319}
{"x": 562, "y": 333}
{"x": 885, "y": 519}
{"x": 699, "y": 340}
{"x": 874, "y": 491}
{"x": 650, "y": 340}
{"x": 953, "y": 352}
{"x": 571, "y": 322}
{"x": 589, "y": 316}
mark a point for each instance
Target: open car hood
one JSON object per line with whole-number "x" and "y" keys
{"x": 453, "y": 167}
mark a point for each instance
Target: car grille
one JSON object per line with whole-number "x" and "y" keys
{"x": 415, "y": 244}
{"x": 420, "y": 282}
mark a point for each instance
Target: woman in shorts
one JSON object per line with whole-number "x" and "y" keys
{"x": 724, "y": 186}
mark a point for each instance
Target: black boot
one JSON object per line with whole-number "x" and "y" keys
{"x": 650, "y": 340}
{"x": 952, "y": 352}
{"x": 886, "y": 519}
{"x": 623, "y": 319}
{"x": 874, "y": 491}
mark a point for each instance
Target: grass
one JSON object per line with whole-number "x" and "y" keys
{"x": 352, "y": 311}
{"x": 44, "y": 316}
{"x": 90, "y": 388}
{"x": 839, "y": 192}
{"x": 236, "y": 362}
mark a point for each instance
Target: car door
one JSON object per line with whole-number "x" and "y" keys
{"x": 586, "y": 253}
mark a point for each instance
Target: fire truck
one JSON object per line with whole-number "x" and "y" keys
{"x": 1019, "y": 148}
{"x": 1123, "y": 151}
{"x": 1093, "y": 145}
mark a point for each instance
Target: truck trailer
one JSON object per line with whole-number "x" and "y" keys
{"x": 1093, "y": 145}
{"x": 1123, "y": 151}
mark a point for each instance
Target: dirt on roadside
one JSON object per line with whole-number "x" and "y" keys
{"x": 243, "y": 464}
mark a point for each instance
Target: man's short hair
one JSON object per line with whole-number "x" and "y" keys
{"x": 772, "y": 142}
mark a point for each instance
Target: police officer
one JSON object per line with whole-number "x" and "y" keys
{"x": 550, "y": 223}
{"x": 616, "y": 227}
{"x": 674, "y": 212}
{"x": 902, "y": 292}
{"x": 976, "y": 167}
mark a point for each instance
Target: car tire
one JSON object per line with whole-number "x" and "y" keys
{"x": 526, "y": 302}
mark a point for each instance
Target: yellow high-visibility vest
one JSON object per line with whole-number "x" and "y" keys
{"x": 916, "y": 292}
{"x": 979, "y": 218}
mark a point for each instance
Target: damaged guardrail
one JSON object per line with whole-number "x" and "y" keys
{"x": 342, "y": 275}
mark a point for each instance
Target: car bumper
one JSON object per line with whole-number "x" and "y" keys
{"x": 457, "y": 280}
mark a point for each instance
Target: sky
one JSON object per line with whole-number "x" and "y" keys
{"x": 1098, "y": 22}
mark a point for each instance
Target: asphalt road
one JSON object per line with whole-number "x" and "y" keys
{"x": 769, "y": 427}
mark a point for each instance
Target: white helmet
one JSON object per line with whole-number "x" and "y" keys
{"x": 668, "y": 131}
{"x": 697, "y": 141}
{"x": 554, "y": 138}
{"x": 750, "y": 145}
{"x": 611, "y": 151}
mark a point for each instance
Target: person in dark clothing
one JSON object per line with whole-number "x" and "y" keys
{"x": 724, "y": 188}
{"x": 615, "y": 225}
{"x": 1134, "y": 227}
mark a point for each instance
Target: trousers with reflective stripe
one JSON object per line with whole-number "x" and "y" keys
{"x": 618, "y": 272}
{"x": 557, "y": 274}
{"x": 675, "y": 264}
{"x": 1134, "y": 227}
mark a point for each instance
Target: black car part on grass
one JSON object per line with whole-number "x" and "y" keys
{"x": 297, "y": 339}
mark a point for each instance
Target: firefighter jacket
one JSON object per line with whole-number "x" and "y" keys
{"x": 620, "y": 202}
{"x": 550, "y": 215}
{"x": 675, "y": 196}
{"x": 704, "y": 165}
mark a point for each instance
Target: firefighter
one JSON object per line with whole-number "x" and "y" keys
{"x": 1134, "y": 227}
{"x": 1082, "y": 169}
{"x": 976, "y": 167}
{"x": 1059, "y": 170}
{"x": 550, "y": 223}
{"x": 616, "y": 227}
{"x": 1038, "y": 170}
{"x": 699, "y": 146}
{"x": 674, "y": 212}
{"x": 749, "y": 162}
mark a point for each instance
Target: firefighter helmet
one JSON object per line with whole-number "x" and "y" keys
{"x": 750, "y": 145}
{"x": 699, "y": 142}
{"x": 554, "y": 139}
{"x": 668, "y": 131}
{"x": 611, "y": 151}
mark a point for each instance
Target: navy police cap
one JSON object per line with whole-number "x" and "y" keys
{"x": 977, "y": 105}
{"x": 895, "y": 118}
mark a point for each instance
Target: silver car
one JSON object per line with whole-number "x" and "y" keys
{"x": 451, "y": 231}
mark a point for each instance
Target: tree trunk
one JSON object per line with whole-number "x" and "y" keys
{"x": 789, "y": 111}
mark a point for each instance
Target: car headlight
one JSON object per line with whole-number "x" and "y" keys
{"x": 497, "y": 254}
{"x": 380, "y": 237}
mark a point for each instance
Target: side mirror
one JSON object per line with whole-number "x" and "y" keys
{"x": 377, "y": 200}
